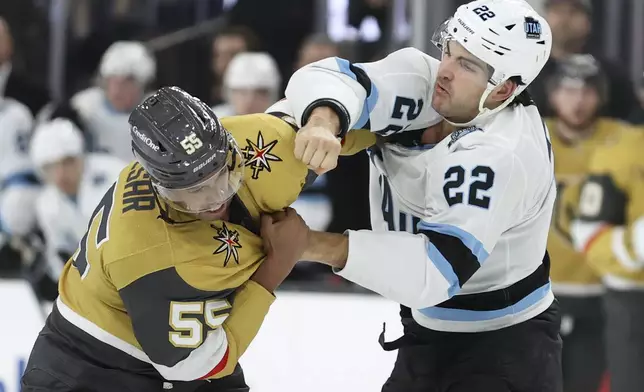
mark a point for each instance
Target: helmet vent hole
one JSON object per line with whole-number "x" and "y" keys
{"x": 541, "y": 42}
{"x": 510, "y": 27}
{"x": 455, "y": 29}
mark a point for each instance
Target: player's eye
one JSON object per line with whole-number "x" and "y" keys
{"x": 467, "y": 66}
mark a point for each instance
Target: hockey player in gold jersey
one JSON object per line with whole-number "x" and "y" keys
{"x": 171, "y": 282}
{"x": 610, "y": 232}
{"x": 577, "y": 92}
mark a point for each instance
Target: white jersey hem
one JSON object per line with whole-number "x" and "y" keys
{"x": 487, "y": 325}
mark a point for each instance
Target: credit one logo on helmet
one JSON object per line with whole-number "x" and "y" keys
{"x": 148, "y": 142}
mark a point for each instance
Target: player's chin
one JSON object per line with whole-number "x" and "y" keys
{"x": 214, "y": 214}
{"x": 440, "y": 103}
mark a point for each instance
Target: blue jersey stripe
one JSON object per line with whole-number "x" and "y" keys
{"x": 448, "y": 314}
{"x": 372, "y": 95}
{"x": 473, "y": 244}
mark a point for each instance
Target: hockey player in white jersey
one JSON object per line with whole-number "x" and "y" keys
{"x": 75, "y": 183}
{"x": 125, "y": 71}
{"x": 462, "y": 192}
{"x": 19, "y": 187}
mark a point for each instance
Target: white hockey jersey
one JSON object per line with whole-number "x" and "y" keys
{"x": 62, "y": 219}
{"x": 19, "y": 186}
{"x": 109, "y": 129}
{"x": 16, "y": 123}
{"x": 459, "y": 228}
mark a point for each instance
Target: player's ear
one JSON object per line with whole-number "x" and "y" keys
{"x": 503, "y": 91}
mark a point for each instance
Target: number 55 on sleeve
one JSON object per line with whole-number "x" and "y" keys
{"x": 192, "y": 322}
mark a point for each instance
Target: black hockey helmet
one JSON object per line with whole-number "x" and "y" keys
{"x": 192, "y": 160}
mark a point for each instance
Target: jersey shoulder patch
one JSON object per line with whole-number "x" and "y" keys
{"x": 457, "y": 135}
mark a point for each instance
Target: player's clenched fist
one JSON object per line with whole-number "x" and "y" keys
{"x": 316, "y": 143}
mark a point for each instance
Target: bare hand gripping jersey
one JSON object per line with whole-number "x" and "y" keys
{"x": 175, "y": 300}
{"x": 459, "y": 228}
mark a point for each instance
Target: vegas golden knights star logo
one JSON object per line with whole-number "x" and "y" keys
{"x": 258, "y": 155}
{"x": 229, "y": 243}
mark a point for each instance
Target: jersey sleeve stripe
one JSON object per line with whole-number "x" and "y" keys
{"x": 638, "y": 239}
{"x": 621, "y": 251}
{"x": 359, "y": 75}
{"x": 208, "y": 359}
{"x": 220, "y": 366}
{"x": 454, "y": 260}
{"x": 472, "y": 243}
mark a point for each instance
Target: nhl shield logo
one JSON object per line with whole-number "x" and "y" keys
{"x": 532, "y": 28}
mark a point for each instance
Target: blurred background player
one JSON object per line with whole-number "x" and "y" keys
{"x": 13, "y": 83}
{"x": 252, "y": 83}
{"x": 19, "y": 187}
{"x": 227, "y": 44}
{"x": 126, "y": 70}
{"x": 571, "y": 22}
{"x": 577, "y": 92}
{"x": 609, "y": 229}
{"x": 75, "y": 182}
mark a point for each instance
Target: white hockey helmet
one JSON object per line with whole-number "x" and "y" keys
{"x": 128, "y": 58}
{"x": 508, "y": 35}
{"x": 253, "y": 70}
{"x": 55, "y": 140}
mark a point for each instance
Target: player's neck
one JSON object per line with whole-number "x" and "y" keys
{"x": 437, "y": 132}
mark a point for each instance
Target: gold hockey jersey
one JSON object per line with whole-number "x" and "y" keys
{"x": 570, "y": 274}
{"x": 611, "y": 213}
{"x": 177, "y": 297}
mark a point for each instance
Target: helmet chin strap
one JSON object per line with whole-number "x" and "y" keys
{"x": 484, "y": 113}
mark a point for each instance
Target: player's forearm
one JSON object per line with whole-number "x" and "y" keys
{"x": 327, "y": 248}
{"x": 396, "y": 265}
{"x": 250, "y": 306}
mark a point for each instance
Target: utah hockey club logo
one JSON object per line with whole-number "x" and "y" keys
{"x": 229, "y": 243}
{"x": 532, "y": 28}
{"x": 258, "y": 155}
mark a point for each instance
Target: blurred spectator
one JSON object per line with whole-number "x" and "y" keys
{"x": 316, "y": 47}
{"x": 637, "y": 117}
{"x": 225, "y": 46}
{"x": 126, "y": 69}
{"x": 13, "y": 84}
{"x": 570, "y": 21}
{"x": 251, "y": 84}
{"x": 74, "y": 184}
{"x": 16, "y": 175}
{"x": 281, "y": 24}
{"x": 577, "y": 90}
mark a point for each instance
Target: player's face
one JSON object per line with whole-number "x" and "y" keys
{"x": 249, "y": 101}
{"x": 224, "y": 48}
{"x": 576, "y": 105}
{"x": 123, "y": 93}
{"x": 65, "y": 174}
{"x": 461, "y": 80}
